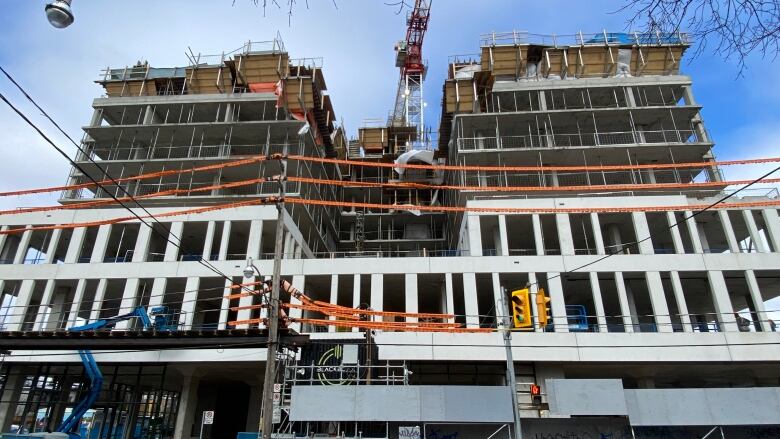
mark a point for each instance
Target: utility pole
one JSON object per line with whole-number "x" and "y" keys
{"x": 510, "y": 362}
{"x": 273, "y": 305}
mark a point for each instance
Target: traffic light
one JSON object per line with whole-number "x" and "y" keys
{"x": 536, "y": 394}
{"x": 521, "y": 309}
{"x": 542, "y": 308}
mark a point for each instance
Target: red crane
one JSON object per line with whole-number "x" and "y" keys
{"x": 409, "y": 105}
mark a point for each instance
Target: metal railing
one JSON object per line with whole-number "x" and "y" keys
{"x": 575, "y": 140}
{"x": 583, "y": 39}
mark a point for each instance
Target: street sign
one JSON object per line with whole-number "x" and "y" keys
{"x": 208, "y": 417}
{"x": 277, "y": 398}
{"x": 277, "y": 388}
{"x": 277, "y": 415}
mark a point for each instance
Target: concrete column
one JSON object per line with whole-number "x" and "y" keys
{"x": 12, "y": 391}
{"x": 100, "y": 293}
{"x": 598, "y": 301}
{"x": 15, "y": 320}
{"x": 558, "y": 303}
{"x": 679, "y": 248}
{"x": 141, "y": 249}
{"x": 334, "y": 297}
{"x": 772, "y": 228}
{"x": 658, "y": 301}
{"x": 475, "y": 235}
{"x": 189, "y": 302}
{"x": 632, "y": 305}
{"x": 208, "y": 244}
{"x": 78, "y": 297}
{"x": 470, "y": 300}
{"x": 682, "y": 305}
{"x": 412, "y": 296}
{"x": 503, "y": 236}
{"x": 728, "y": 229}
{"x": 158, "y": 292}
{"x": 450, "y": 296}
{"x": 597, "y": 238}
{"x": 21, "y": 251}
{"x": 57, "y": 314}
{"x": 705, "y": 242}
{"x": 538, "y": 239}
{"x": 52, "y": 247}
{"x": 722, "y": 301}
{"x": 615, "y": 240}
{"x": 188, "y": 402}
{"x": 171, "y": 251}
{"x": 225, "y": 241}
{"x": 497, "y": 304}
{"x": 625, "y": 310}
{"x": 223, "y": 310}
{"x": 44, "y": 311}
{"x": 298, "y": 282}
{"x": 74, "y": 248}
{"x": 244, "y": 314}
{"x": 534, "y": 309}
{"x": 497, "y": 249}
{"x": 758, "y": 301}
{"x": 129, "y": 301}
{"x": 355, "y": 294}
{"x": 693, "y": 232}
{"x": 101, "y": 244}
{"x": 255, "y": 239}
{"x": 758, "y": 243}
{"x": 3, "y": 239}
{"x": 642, "y": 231}
{"x": 377, "y": 292}
{"x": 288, "y": 245}
{"x": 564, "y": 233}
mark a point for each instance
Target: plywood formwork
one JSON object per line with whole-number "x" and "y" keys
{"x": 209, "y": 79}
{"x": 374, "y": 139}
{"x": 298, "y": 94}
{"x": 460, "y": 95}
{"x": 261, "y": 68}
{"x": 139, "y": 87}
{"x": 509, "y": 60}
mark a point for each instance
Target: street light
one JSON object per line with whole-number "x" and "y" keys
{"x": 59, "y": 14}
{"x": 251, "y": 269}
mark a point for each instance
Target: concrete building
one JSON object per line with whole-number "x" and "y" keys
{"x": 643, "y": 343}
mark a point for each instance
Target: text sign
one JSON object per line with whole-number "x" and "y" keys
{"x": 208, "y": 417}
{"x": 409, "y": 432}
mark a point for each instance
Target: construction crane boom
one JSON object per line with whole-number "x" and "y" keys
{"x": 409, "y": 104}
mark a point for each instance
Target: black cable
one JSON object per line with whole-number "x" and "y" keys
{"x": 202, "y": 261}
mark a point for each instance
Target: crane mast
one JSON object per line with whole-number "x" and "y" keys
{"x": 409, "y": 104}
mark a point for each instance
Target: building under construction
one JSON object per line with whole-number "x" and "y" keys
{"x": 576, "y": 166}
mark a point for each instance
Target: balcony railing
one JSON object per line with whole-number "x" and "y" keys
{"x": 574, "y": 140}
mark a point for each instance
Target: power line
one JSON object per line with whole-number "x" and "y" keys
{"x": 202, "y": 261}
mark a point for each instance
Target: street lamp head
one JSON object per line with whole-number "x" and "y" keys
{"x": 59, "y": 13}
{"x": 249, "y": 271}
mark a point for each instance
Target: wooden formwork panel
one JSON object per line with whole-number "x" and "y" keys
{"x": 373, "y": 139}
{"x": 460, "y": 95}
{"x": 298, "y": 94}
{"x": 553, "y": 62}
{"x": 130, "y": 88}
{"x": 504, "y": 60}
{"x": 657, "y": 60}
{"x": 209, "y": 80}
{"x": 598, "y": 61}
{"x": 268, "y": 67}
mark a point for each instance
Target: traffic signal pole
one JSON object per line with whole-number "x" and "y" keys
{"x": 510, "y": 363}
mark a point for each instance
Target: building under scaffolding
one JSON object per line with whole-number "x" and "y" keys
{"x": 559, "y": 151}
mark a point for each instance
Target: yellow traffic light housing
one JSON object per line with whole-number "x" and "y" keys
{"x": 542, "y": 308}
{"x": 521, "y": 309}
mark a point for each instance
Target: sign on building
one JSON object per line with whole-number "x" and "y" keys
{"x": 208, "y": 417}
{"x": 409, "y": 432}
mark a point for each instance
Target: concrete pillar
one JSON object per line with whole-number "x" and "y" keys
{"x": 101, "y": 244}
{"x": 758, "y": 243}
{"x": 538, "y": 239}
{"x": 15, "y": 321}
{"x": 497, "y": 248}
{"x": 450, "y": 296}
{"x": 171, "y": 251}
{"x": 298, "y": 282}
{"x": 255, "y": 239}
{"x": 758, "y": 301}
{"x": 497, "y": 304}
{"x": 224, "y": 308}
{"x": 58, "y": 314}
{"x": 772, "y": 228}
{"x": 412, "y": 296}
{"x": 158, "y": 292}
{"x": 3, "y": 239}
{"x": 355, "y": 294}
{"x": 615, "y": 240}
{"x": 728, "y": 229}
{"x": 129, "y": 301}
{"x": 598, "y": 301}
{"x": 225, "y": 241}
{"x": 705, "y": 242}
{"x": 470, "y": 300}
{"x": 682, "y": 304}
{"x": 100, "y": 293}
{"x": 189, "y": 302}
{"x": 141, "y": 249}
{"x": 244, "y": 314}
{"x": 632, "y": 306}
{"x": 503, "y": 236}
{"x": 209, "y": 242}
{"x": 74, "y": 248}
{"x": 52, "y": 247}
{"x": 642, "y": 231}
{"x": 377, "y": 292}
{"x": 558, "y": 303}
{"x": 78, "y": 297}
{"x": 625, "y": 310}
{"x": 564, "y": 233}
{"x": 44, "y": 311}
{"x": 722, "y": 301}
{"x": 288, "y": 243}
{"x": 21, "y": 251}
{"x": 597, "y": 238}
{"x": 658, "y": 301}
{"x": 534, "y": 309}
{"x": 679, "y": 248}
{"x": 693, "y": 232}
{"x": 12, "y": 391}
{"x": 475, "y": 235}
{"x": 188, "y": 402}
{"x": 334, "y": 297}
